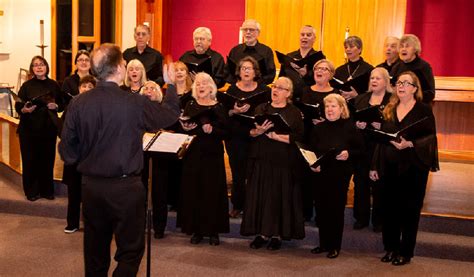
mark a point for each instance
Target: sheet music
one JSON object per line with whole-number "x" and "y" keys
{"x": 167, "y": 142}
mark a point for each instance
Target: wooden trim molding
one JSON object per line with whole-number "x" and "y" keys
{"x": 455, "y": 89}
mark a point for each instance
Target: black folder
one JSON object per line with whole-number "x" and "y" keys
{"x": 311, "y": 111}
{"x": 412, "y": 131}
{"x": 370, "y": 114}
{"x": 309, "y": 60}
{"x": 280, "y": 125}
{"x": 40, "y": 100}
{"x": 253, "y": 99}
{"x": 199, "y": 116}
{"x": 312, "y": 159}
{"x": 357, "y": 83}
{"x": 204, "y": 65}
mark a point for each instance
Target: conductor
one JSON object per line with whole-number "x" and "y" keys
{"x": 103, "y": 135}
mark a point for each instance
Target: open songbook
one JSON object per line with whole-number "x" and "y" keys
{"x": 200, "y": 116}
{"x": 310, "y": 111}
{"x": 370, "y": 114}
{"x": 280, "y": 125}
{"x": 253, "y": 99}
{"x": 312, "y": 159}
{"x": 309, "y": 60}
{"x": 167, "y": 142}
{"x": 204, "y": 65}
{"x": 358, "y": 82}
{"x": 411, "y": 131}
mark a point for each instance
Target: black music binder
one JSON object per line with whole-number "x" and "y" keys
{"x": 280, "y": 125}
{"x": 360, "y": 81}
{"x": 199, "y": 116}
{"x": 309, "y": 60}
{"x": 204, "y": 65}
{"x": 312, "y": 159}
{"x": 410, "y": 132}
{"x": 311, "y": 111}
{"x": 370, "y": 114}
{"x": 253, "y": 99}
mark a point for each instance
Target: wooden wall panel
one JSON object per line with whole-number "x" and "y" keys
{"x": 372, "y": 20}
{"x": 151, "y": 11}
{"x": 454, "y": 125}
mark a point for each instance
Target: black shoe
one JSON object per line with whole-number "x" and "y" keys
{"x": 70, "y": 229}
{"x": 214, "y": 240}
{"x": 401, "y": 260}
{"x": 33, "y": 198}
{"x": 196, "y": 239}
{"x": 333, "y": 254}
{"x": 360, "y": 225}
{"x": 378, "y": 228}
{"x": 389, "y": 256}
{"x": 274, "y": 244}
{"x": 159, "y": 234}
{"x": 258, "y": 242}
{"x": 318, "y": 250}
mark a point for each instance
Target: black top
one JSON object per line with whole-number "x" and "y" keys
{"x": 42, "y": 121}
{"x": 389, "y": 66}
{"x": 423, "y": 71}
{"x": 354, "y": 69}
{"x": 238, "y": 126}
{"x": 423, "y": 155}
{"x": 299, "y": 82}
{"x": 340, "y": 134}
{"x": 129, "y": 89}
{"x": 151, "y": 59}
{"x": 104, "y": 129}
{"x": 218, "y": 64}
{"x": 258, "y": 52}
{"x": 70, "y": 87}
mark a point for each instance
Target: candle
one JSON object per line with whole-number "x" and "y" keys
{"x": 41, "y": 32}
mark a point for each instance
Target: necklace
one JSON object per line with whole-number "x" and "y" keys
{"x": 353, "y": 72}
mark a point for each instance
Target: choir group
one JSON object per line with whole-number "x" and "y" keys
{"x": 374, "y": 124}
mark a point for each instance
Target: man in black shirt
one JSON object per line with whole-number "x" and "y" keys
{"x": 391, "y": 53}
{"x": 103, "y": 134}
{"x": 302, "y": 76}
{"x": 150, "y": 58}
{"x": 202, "y": 38}
{"x": 251, "y": 47}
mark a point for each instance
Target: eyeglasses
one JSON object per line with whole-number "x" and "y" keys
{"x": 246, "y": 68}
{"x": 276, "y": 87}
{"x": 251, "y": 30}
{"x": 38, "y": 65}
{"x": 141, "y": 34}
{"x": 404, "y": 84}
{"x": 150, "y": 88}
{"x": 323, "y": 69}
{"x": 83, "y": 60}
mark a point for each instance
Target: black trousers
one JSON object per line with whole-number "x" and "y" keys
{"x": 73, "y": 179}
{"x": 330, "y": 193}
{"x": 238, "y": 150}
{"x": 403, "y": 197}
{"x": 113, "y": 207}
{"x": 364, "y": 188}
{"x": 37, "y": 160}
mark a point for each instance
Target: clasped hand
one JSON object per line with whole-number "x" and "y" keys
{"x": 301, "y": 70}
{"x": 402, "y": 144}
{"x": 27, "y": 109}
{"x": 343, "y": 156}
{"x": 241, "y": 109}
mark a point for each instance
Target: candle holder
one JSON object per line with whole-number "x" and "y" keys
{"x": 42, "y": 46}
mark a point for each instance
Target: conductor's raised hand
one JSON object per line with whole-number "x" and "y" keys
{"x": 169, "y": 73}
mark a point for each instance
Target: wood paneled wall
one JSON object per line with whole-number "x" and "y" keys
{"x": 372, "y": 20}
{"x": 151, "y": 11}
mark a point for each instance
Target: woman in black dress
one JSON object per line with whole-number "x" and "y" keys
{"x": 323, "y": 71}
{"x": 403, "y": 166}
{"x": 41, "y": 100}
{"x": 379, "y": 93}
{"x": 272, "y": 208}
{"x": 203, "y": 208}
{"x": 237, "y": 146}
{"x": 337, "y": 132}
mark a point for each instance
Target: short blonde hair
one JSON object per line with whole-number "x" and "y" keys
{"x": 385, "y": 76}
{"x": 412, "y": 40}
{"x": 203, "y": 76}
{"x": 157, "y": 87}
{"x": 333, "y": 97}
{"x": 332, "y": 69}
{"x": 135, "y": 63}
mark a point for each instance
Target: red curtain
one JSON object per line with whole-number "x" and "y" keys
{"x": 446, "y": 31}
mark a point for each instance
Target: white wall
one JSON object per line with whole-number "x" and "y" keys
{"x": 23, "y": 35}
{"x": 129, "y": 20}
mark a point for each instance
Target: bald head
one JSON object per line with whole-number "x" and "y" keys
{"x": 106, "y": 59}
